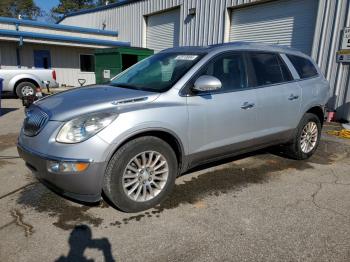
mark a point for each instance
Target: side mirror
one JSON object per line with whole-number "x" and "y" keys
{"x": 206, "y": 83}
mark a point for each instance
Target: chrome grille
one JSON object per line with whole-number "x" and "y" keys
{"x": 34, "y": 122}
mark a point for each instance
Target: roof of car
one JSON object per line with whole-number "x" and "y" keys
{"x": 237, "y": 46}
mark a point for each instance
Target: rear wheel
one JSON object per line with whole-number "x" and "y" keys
{"x": 25, "y": 89}
{"x": 140, "y": 174}
{"x": 307, "y": 138}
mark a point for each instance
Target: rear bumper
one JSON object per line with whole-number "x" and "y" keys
{"x": 83, "y": 186}
{"x": 53, "y": 84}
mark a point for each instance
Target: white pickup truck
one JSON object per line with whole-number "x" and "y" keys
{"x": 23, "y": 82}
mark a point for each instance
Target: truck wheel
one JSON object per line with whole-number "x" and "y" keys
{"x": 25, "y": 89}
{"x": 307, "y": 138}
{"x": 140, "y": 174}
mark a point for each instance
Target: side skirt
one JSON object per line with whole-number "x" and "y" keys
{"x": 213, "y": 155}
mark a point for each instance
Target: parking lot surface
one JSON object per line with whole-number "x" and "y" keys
{"x": 260, "y": 207}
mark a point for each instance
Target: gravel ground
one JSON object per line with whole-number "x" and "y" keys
{"x": 260, "y": 207}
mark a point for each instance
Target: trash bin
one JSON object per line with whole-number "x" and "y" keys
{"x": 111, "y": 61}
{"x": 0, "y": 93}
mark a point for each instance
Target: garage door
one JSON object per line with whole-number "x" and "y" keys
{"x": 163, "y": 30}
{"x": 285, "y": 22}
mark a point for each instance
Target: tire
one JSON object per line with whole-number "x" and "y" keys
{"x": 295, "y": 150}
{"x": 25, "y": 88}
{"x": 116, "y": 176}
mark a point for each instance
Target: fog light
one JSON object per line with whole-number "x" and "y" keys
{"x": 66, "y": 167}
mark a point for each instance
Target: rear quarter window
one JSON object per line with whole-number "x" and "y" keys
{"x": 303, "y": 66}
{"x": 268, "y": 69}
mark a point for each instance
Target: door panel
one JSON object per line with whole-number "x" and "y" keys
{"x": 278, "y": 108}
{"x": 278, "y": 96}
{"x": 217, "y": 121}
{"x": 223, "y": 121}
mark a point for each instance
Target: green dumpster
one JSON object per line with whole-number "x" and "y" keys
{"x": 111, "y": 61}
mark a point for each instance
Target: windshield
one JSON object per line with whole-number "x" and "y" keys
{"x": 157, "y": 73}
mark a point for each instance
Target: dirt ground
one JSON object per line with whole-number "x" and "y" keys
{"x": 260, "y": 207}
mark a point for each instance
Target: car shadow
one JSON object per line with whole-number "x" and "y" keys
{"x": 4, "y": 111}
{"x": 8, "y": 95}
{"x": 80, "y": 239}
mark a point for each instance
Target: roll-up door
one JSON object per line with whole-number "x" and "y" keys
{"x": 163, "y": 30}
{"x": 285, "y": 22}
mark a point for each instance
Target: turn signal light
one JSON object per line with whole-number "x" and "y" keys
{"x": 66, "y": 167}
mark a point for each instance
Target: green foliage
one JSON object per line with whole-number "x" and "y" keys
{"x": 14, "y": 8}
{"x": 68, "y": 6}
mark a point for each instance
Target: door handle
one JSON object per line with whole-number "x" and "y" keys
{"x": 247, "y": 105}
{"x": 293, "y": 97}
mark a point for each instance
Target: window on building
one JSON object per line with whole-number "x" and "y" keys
{"x": 304, "y": 66}
{"x": 269, "y": 69}
{"x": 230, "y": 70}
{"x": 87, "y": 63}
{"x": 42, "y": 59}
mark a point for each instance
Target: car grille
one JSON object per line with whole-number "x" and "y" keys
{"x": 34, "y": 121}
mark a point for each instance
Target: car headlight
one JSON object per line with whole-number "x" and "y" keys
{"x": 82, "y": 128}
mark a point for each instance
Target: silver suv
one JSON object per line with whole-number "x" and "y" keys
{"x": 178, "y": 109}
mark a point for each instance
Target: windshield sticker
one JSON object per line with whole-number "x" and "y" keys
{"x": 186, "y": 57}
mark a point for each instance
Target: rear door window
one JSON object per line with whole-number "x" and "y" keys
{"x": 303, "y": 66}
{"x": 268, "y": 69}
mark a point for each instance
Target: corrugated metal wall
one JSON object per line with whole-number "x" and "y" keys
{"x": 211, "y": 25}
{"x": 333, "y": 16}
{"x": 8, "y": 55}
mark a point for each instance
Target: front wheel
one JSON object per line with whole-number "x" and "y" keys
{"x": 140, "y": 174}
{"x": 307, "y": 138}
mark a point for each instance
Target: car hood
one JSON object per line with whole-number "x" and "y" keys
{"x": 84, "y": 100}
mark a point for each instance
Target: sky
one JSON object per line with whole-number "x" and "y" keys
{"x": 46, "y": 5}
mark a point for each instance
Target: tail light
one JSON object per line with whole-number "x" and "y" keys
{"x": 54, "y": 75}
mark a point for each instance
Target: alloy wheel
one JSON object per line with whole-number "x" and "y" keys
{"x": 309, "y": 137}
{"x": 145, "y": 176}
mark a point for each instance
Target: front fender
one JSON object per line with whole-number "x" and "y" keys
{"x": 125, "y": 136}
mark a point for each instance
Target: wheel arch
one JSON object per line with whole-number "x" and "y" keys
{"x": 15, "y": 81}
{"x": 318, "y": 111}
{"x": 166, "y": 135}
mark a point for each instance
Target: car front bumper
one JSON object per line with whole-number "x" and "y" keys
{"x": 83, "y": 186}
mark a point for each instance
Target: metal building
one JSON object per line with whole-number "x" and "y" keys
{"x": 67, "y": 49}
{"x": 313, "y": 26}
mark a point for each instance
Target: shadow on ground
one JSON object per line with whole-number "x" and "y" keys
{"x": 4, "y": 111}
{"x": 231, "y": 177}
{"x": 81, "y": 239}
{"x": 7, "y": 141}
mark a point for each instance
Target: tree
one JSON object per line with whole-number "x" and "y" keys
{"x": 68, "y": 6}
{"x": 14, "y": 8}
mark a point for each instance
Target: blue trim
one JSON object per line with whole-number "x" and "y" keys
{"x": 96, "y": 9}
{"x": 91, "y": 41}
{"x": 17, "y": 22}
